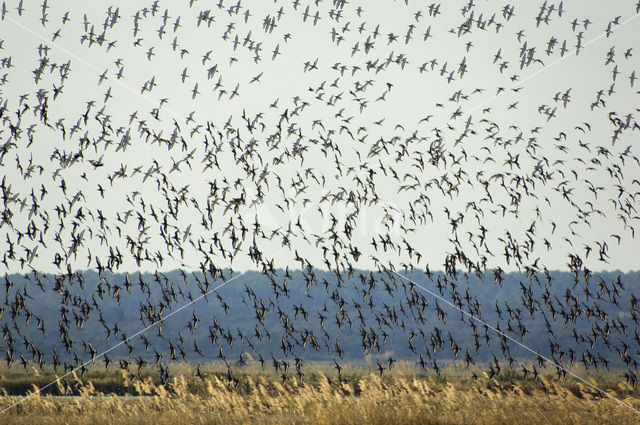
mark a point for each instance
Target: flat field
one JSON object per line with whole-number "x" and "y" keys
{"x": 361, "y": 397}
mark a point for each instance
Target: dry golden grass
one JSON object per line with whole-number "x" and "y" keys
{"x": 365, "y": 399}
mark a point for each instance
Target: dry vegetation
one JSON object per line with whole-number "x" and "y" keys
{"x": 403, "y": 398}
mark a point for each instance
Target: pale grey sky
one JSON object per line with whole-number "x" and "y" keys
{"x": 382, "y": 102}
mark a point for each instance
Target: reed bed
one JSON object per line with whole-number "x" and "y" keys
{"x": 325, "y": 400}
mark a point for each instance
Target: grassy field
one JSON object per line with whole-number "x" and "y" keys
{"x": 404, "y": 397}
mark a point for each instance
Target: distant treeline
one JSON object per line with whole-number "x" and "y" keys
{"x": 318, "y": 315}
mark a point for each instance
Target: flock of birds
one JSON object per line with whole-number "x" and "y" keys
{"x": 100, "y": 172}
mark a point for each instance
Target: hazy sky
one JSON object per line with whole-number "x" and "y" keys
{"x": 379, "y": 86}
